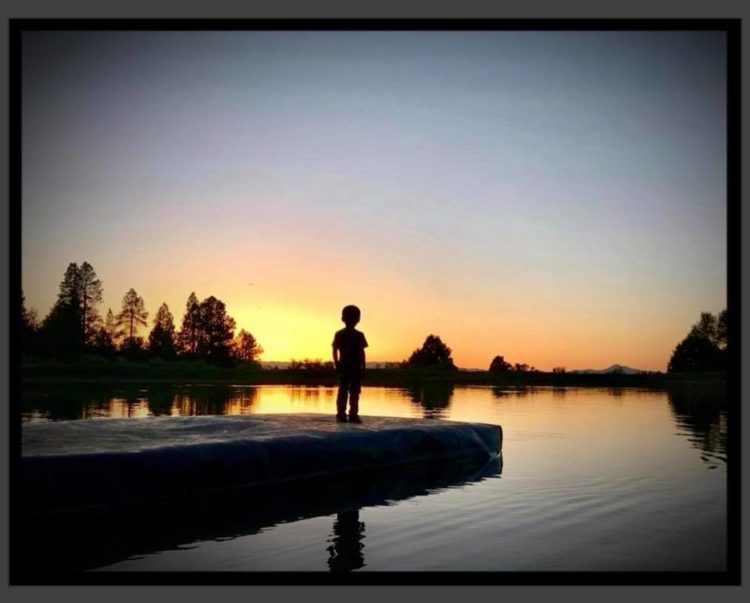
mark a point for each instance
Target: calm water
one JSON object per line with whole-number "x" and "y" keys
{"x": 590, "y": 480}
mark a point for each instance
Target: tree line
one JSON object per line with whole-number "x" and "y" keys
{"x": 74, "y": 328}
{"x": 435, "y": 354}
{"x": 703, "y": 349}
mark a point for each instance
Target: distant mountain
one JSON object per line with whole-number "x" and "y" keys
{"x": 615, "y": 368}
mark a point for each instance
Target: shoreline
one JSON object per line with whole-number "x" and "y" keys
{"x": 199, "y": 373}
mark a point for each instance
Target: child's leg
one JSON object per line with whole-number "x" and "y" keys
{"x": 354, "y": 389}
{"x": 341, "y": 398}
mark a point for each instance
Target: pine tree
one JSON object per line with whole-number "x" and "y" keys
{"x": 132, "y": 315}
{"x": 161, "y": 340}
{"x": 29, "y": 328}
{"x": 187, "y": 338}
{"x": 215, "y": 332}
{"x": 90, "y": 295}
{"x": 110, "y": 326}
{"x": 81, "y": 287}
{"x": 70, "y": 286}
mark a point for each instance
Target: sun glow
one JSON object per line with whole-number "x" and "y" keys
{"x": 289, "y": 332}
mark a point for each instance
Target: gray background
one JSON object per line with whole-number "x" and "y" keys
{"x": 348, "y": 9}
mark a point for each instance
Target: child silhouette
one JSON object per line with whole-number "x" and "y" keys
{"x": 349, "y": 358}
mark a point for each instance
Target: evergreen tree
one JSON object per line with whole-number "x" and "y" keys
{"x": 90, "y": 295}
{"x": 60, "y": 335}
{"x": 721, "y": 329}
{"x": 187, "y": 338}
{"x": 215, "y": 332}
{"x": 132, "y": 315}
{"x": 103, "y": 343}
{"x": 161, "y": 340}
{"x": 134, "y": 348}
{"x": 70, "y": 286}
{"x": 110, "y": 327}
{"x": 29, "y": 328}
{"x": 80, "y": 286}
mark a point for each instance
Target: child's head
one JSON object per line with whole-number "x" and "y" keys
{"x": 350, "y": 315}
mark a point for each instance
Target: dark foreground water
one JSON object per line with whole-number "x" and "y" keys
{"x": 589, "y": 480}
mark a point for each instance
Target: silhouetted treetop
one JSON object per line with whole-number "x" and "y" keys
{"x": 187, "y": 339}
{"x": 81, "y": 287}
{"x": 246, "y": 347}
{"x": 91, "y": 294}
{"x": 132, "y": 315}
{"x": 207, "y": 331}
{"x": 498, "y": 365}
{"x": 433, "y": 353}
{"x": 161, "y": 340}
{"x": 704, "y": 348}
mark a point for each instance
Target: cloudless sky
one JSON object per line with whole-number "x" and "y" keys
{"x": 558, "y": 198}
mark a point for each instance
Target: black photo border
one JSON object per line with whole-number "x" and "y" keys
{"x": 732, "y": 576}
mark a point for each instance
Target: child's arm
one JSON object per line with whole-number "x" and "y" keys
{"x": 335, "y": 357}
{"x": 362, "y": 360}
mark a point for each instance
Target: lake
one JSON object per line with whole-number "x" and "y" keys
{"x": 589, "y": 480}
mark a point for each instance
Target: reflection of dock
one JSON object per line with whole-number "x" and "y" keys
{"x": 55, "y": 546}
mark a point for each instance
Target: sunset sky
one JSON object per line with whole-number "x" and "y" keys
{"x": 558, "y": 198}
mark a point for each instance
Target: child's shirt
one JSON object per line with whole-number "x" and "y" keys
{"x": 350, "y": 344}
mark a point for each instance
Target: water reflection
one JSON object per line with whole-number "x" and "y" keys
{"x": 432, "y": 397}
{"x": 702, "y": 413}
{"x": 58, "y": 546}
{"x": 517, "y": 392}
{"x": 699, "y": 412}
{"x": 102, "y": 401}
{"x": 346, "y": 542}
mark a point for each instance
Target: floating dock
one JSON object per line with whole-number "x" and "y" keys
{"x": 103, "y": 464}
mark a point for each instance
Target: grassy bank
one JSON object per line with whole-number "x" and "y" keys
{"x": 102, "y": 371}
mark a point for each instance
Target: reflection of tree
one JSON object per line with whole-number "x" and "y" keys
{"x": 160, "y": 401}
{"x": 346, "y": 548}
{"x": 62, "y": 403}
{"x": 241, "y": 400}
{"x": 304, "y": 393}
{"x": 505, "y": 392}
{"x": 126, "y": 403}
{"x": 209, "y": 400}
{"x": 703, "y": 412}
{"x": 83, "y": 402}
{"x": 432, "y": 396}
